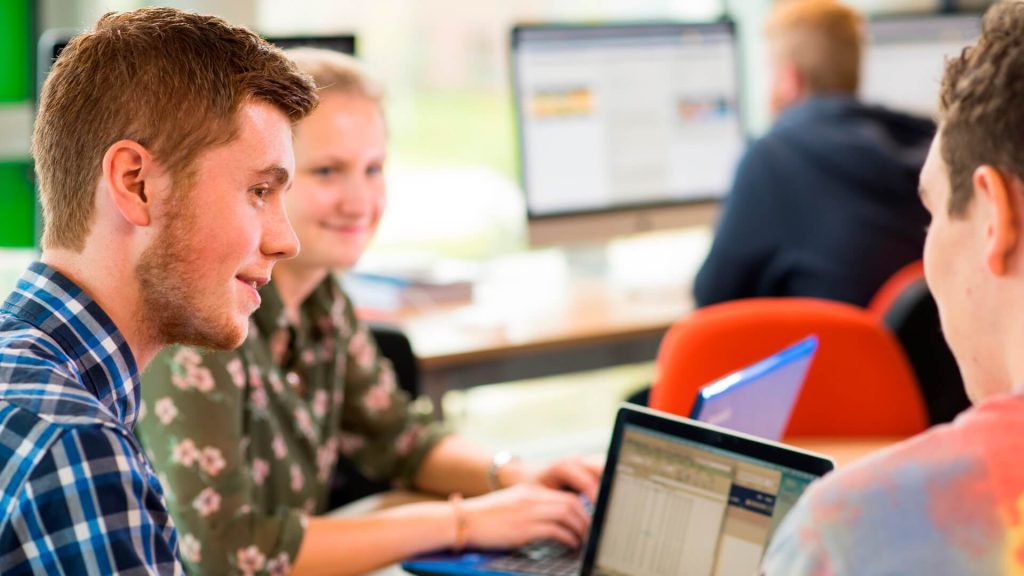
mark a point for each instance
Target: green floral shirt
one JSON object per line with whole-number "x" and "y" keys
{"x": 245, "y": 441}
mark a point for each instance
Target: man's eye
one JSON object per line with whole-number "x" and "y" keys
{"x": 261, "y": 193}
{"x": 374, "y": 169}
{"x": 325, "y": 171}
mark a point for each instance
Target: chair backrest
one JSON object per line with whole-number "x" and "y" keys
{"x": 348, "y": 484}
{"x": 394, "y": 345}
{"x": 896, "y": 285}
{"x": 913, "y": 318}
{"x": 860, "y": 383}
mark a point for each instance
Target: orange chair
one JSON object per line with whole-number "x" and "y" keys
{"x": 896, "y": 285}
{"x": 905, "y": 306}
{"x": 860, "y": 383}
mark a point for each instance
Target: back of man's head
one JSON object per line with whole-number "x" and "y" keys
{"x": 981, "y": 105}
{"x": 169, "y": 80}
{"x": 822, "y": 39}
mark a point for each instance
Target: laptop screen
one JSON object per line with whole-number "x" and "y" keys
{"x": 677, "y": 498}
{"x": 760, "y": 398}
{"x": 683, "y": 506}
{"x": 625, "y": 115}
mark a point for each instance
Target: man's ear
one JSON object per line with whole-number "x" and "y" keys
{"x": 127, "y": 167}
{"x": 1002, "y": 231}
{"x": 791, "y": 83}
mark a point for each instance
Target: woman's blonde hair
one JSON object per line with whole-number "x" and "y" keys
{"x": 334, "y": 72}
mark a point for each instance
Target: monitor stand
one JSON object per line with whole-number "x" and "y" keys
{"x": 600, "y": 228}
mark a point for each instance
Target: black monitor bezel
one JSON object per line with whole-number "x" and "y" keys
{"x": 344, "y": 43}
{"x": 52, "y": 41}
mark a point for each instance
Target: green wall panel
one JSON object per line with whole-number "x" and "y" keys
{"x": 15, "y": 50}
{"x": 17, "y": 196}
{"x": 17, "y": 205}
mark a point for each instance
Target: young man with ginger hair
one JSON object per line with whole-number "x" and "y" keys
{"x": 163, "y": 148}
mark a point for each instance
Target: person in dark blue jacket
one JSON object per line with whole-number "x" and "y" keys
{"x": 825, "y": 204}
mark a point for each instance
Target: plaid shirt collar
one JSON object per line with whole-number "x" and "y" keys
{"x": 55, "y": 305}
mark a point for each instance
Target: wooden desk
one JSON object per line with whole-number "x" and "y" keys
{"x": 548, "y": 312}
{"x": 844, "y": 451}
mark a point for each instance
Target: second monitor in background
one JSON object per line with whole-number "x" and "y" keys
{"x": 631, "y": 126}
{"x": 904, "y": 57}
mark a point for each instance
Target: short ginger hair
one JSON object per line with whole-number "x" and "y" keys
{"x": 170, "y": 80}
{"x": 823, "y": 39}
{"x": 334, "y": 72}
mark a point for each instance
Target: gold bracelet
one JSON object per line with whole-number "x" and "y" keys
{"x": 460, "y": 522}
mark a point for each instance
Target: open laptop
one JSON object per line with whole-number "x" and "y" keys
{"x": 677, "y": 497}
{"x": 758, "y": 399}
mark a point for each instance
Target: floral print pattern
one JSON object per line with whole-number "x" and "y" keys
{"x": 250, "y": 560}
{"x": 207, "y": 502}
{"x": 165, "y": 410}
{"x": 185, "y": 453}
{"x": 211, "y": 461}
{"x": 246, "y": 441}
{"x": 191, "y": 548}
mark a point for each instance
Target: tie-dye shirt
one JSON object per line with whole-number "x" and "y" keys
{"x": 245, "y": 442}
{"x": 949, "y": 501}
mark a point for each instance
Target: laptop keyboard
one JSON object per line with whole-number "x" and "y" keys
{"x": 544, "y": 557}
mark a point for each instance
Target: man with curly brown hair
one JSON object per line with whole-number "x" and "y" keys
{"x": 951, "y": 500}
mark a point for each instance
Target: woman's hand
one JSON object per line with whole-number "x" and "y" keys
{"x": 523, "y": 513}
{"x": 578, "y": 473}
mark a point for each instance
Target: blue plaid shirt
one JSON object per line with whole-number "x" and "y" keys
{"x": 77, "y": 495}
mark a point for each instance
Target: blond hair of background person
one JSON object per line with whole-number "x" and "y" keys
{"x": 163, "y": 148}
{"x": 951, "y": 500}
{"x": 248, "y": 440}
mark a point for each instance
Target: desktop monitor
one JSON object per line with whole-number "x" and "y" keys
{"x": 344, "y": 43}
{"x": 624, "y": 127}
{"x": 904, "y": 58}
{"x": 51, "y": 42}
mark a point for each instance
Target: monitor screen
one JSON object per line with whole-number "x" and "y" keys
{"x": 344, "y": 43}
{"x": 904, "y": 58}
{"x": 625, "y": 116}
{"x": 683, "y": 507}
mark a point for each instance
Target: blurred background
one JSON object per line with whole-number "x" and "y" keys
{"x": 454, "y": 187}
{"x": 445, "y": 63}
